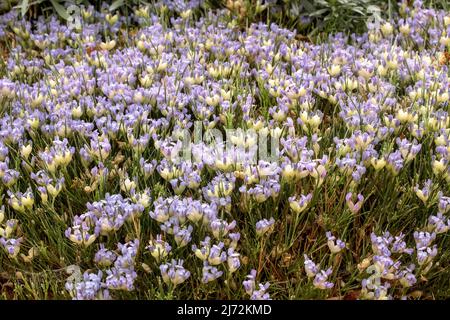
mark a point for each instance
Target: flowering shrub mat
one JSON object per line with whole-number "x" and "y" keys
{"x": 168, "y": 154}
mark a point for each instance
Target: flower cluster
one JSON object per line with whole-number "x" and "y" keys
{"x": 320, "y": 276}
{"x": 256, "y": 292}
{"x": 117, "y": 273}
{"x": 103, "y": 218}
{"x": 8, "y": 235}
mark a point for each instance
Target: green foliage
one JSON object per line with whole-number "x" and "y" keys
{"x": 438, "y": 4}
{"x": 307, "y": 16}
{"x": 390, "y": 203}
{"x": 60, "y": 6}
{"x": 311, "y": 16}
{"x": 337, "y": 15}
{"x": 6, "y": 5}
{"x": 333, "y": 15}
{"x": 26, "y": 6}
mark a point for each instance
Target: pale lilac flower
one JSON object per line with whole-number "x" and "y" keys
{"x": 335, "y": 245}
{"x": 354, "y": 207}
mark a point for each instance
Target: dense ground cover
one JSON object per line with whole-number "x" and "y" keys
{"x": 116, "y": 182}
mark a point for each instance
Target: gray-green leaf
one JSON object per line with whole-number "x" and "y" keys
{"x": 116, "y": 4}
{"x": 60, "y": 10}
{"x": 24, "y": 7}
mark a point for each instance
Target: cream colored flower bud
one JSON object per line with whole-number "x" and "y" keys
{"x": 111, "y": 19}
{"x": 186, "y": 14}
{"x": 439, "y": 166}
{"x": 202, "y": 256}
{"x": 405, "y": 116}
{"x": 288, "y": 172}
{"x": 440, "y": 140}
{"x": 162, "y": 66}
{"x": 44, "y": 197}
{"x": 36, "y": 102}
{"x": 447, "y": 20}
{"x": 142, "y": 12}
{"x": 108, "y": 45}
{"x": 86, "y": 14}
{"x": 421, "y": 196}
{"x": 54, "y": 191}
{"x": 16, "y": 205}
{"x": 334, "y": 70}
{"x": 387, "y": 29}
{"x": 128, "y": 185}
{"x": 405, "y": 29}
{"x": 279, "y": 116}
{"x": 25, "y": 151}
{"x": 276, "y": 132}
{"x": 445, "y": 41}
{"x": 27, "y": 201}
{"x": 315, "y": 121}
{"x": 442, "y": 98}
{"x": 77, "y": 112}
{"x": 141, "y": 45}
{"x": 212, "y": 101}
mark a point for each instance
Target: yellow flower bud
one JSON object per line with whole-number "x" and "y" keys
{"x": 25, "y": 151}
